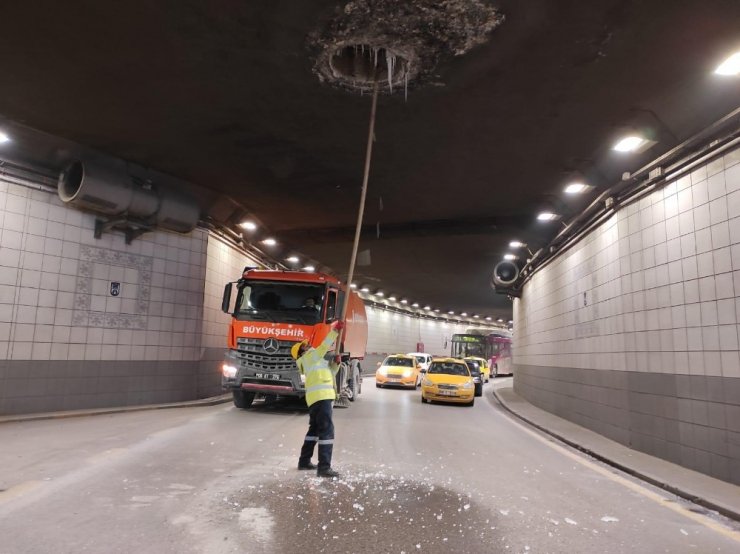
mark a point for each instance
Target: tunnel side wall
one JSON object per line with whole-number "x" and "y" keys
{"x": 394, "y": 333}
{"x": 67, "y": 343}
{"x": 633, "y": 332}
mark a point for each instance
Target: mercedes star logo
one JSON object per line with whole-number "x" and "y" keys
{"x": 271, "y": 346}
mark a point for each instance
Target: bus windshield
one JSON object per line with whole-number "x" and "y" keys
{"x": 464, "y": 346}
{"x": 280, "y": 302}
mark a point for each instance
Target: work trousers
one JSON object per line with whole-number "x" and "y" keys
{"x": 321, "y": 431}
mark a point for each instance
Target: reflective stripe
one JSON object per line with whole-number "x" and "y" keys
{"x": 326, "y": 441}
{"x": 320, "y": 387}
{"x": 311, "y": 439}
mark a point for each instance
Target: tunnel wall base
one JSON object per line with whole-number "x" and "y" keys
{"x": 690, "y": 420}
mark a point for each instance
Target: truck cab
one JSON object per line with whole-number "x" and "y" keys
{"x": 272, "y": 311}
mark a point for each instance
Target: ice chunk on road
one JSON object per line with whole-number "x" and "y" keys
{"x": 609, "y": 519}
{"x": 570, "y": 521}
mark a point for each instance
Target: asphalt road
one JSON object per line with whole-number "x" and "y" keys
{"x": 416, "y": 478}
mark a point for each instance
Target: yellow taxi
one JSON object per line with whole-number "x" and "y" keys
{"x": 400, "y": 370}
{"x": 485, "y": 369}
{"x": 448, "y": 380}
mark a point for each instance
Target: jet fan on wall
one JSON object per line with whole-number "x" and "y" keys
{"x": 126, "y": 202}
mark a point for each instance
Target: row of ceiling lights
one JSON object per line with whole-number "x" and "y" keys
{"x": 629, "y": 144}
{"x": 293, "y": 260}
{"x": 416, "y": 305}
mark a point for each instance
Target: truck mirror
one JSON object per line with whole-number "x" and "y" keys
{"x": 226, "y": 300}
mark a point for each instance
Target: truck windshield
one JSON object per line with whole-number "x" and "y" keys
{"x": 280, "y": 302}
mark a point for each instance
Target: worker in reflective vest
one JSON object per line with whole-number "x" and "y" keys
{"x": 320, "y": 366}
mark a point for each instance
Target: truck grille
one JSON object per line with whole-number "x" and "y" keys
{"x": 252, "y": 354}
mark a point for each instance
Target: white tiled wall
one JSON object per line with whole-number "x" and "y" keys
{"x": 224, "y": 264}
{"x": 392, "y": 333}
{"x": 656, "y": 288}
{"x": 55, "y": 277}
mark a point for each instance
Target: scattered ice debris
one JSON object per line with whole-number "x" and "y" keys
{"x": 554, "y": 521}
{"x": 683, "y": 531}
{"x": 570, "y": 521}
{"x": 504, "y": 512}
{"x": 609, "y": 519}
{"x": 466, "y": 507}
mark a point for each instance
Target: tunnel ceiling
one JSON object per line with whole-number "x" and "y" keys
{"x": 499, "y": 113}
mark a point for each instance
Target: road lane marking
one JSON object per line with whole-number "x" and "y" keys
{"x": 635, "y": 487}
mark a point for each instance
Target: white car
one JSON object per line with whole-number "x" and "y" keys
{"x": 424, "y": 360}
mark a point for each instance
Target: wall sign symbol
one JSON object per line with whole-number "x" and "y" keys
{"x": 115, "y": 288}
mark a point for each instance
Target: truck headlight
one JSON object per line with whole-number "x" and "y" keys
{"x": 229, "y": 371}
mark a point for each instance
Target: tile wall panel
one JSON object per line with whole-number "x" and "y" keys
{"x": 653, "y": 291}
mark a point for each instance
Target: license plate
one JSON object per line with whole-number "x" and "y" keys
{"x": 273, "y": 376}
{"x": 447, "y": 393}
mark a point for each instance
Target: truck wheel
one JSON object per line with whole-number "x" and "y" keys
{"x": 243, "y": 399}
{"x": 354, "y": 384}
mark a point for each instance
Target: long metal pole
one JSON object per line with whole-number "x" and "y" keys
{"x": 361, "y": 212}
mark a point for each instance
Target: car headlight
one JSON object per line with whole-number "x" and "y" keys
{"x": 407, "y": 373}
{"x": 468, "y": 385}
{"x": 229, "y": 371}
{"x": 427, "y": 382}
{"x": 383, "y": 371}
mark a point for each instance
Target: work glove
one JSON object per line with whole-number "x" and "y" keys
{"x": 337, "y": 360}
{"x": 337, "y": 325}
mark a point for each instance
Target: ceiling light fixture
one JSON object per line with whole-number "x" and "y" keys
{"x": 4, "y": 137}
{"x": 293, "y": 259}
{"x": 631, "y": 143}
{"x": 392, "y": 298}
{"x": 309, "y": 268}
{"x": 730, "y": 67}
{"x": 451, "y": 312}
{"x": 489, "y": 318}
{"x": 364, "y": 289}
{"x": 353, "y": 286}
{"x": 404, "y": 301}
{"x": 248, "y": 225}
{"x": 517, "y": 244}
{"x": 427, "y": 308}
{"x": 415, "y": 305}
{"x": 379, "y": 293}
{"x": 500, "y": 320}
{"x": 464, "y": 314}
{"x": 269, "y": 242}
{"x": 546, "y": 216}
{"x": 509, "y": 257}
{"x": 576, "y": 188}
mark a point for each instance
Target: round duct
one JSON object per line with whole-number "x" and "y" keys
{"x": 505, "y": 274}
{"x": 112, "y": 191}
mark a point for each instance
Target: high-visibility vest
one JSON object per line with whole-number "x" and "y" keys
{"x": 319, "y": 371}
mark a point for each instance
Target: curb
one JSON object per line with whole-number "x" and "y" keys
{"x": 724, "y": 510}
{"x": 212, "y": 401}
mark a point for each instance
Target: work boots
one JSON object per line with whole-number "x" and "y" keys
{"x": 308, "y": 465}
{"x": 327, "y": 472}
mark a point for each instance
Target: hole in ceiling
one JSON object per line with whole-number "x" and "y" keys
{"x": 361, "y": 64}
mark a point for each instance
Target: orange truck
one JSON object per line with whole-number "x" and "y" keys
{"x": 272, "y": 311}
